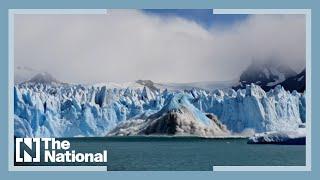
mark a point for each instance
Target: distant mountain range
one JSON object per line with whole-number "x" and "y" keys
{"x": 46, "y": 78}
{"x": 270, "y": 74}
{"x": 47, "y": 107}
{"x": 49, "y": 110}
{"x": 297, "y": 82}
{"x": 265, "y": 74}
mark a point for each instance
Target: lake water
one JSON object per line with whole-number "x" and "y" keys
{"x": 187, "y": 153}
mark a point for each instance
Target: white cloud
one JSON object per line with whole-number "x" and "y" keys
{"x": 127, "y": 45}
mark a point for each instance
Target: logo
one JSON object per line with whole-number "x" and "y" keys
{"x": 38, "y": 150}
{"x": 28, "y": 156}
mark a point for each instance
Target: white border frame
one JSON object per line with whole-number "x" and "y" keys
{"x": 307, "y": 13}
{"x": 12, "y": 12}
{"x": 11, "y": 166}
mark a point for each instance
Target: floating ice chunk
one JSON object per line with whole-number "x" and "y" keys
{"x": 297, "y": 137}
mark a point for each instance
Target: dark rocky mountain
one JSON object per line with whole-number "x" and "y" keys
{"x": 44, "y": 78}
{"x": 148, "y": 83}
{"x": 297, "y": 82}
{"x": 177, "y": 117}
{"x": 269, "y": 74}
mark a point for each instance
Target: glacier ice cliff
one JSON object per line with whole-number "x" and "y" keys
{"x": 253, "y": 108}
{"x": 44, "y": 110}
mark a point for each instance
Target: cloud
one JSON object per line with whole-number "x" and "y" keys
{"x": 126, "y": 45}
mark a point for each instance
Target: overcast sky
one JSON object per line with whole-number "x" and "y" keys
{"x": 126, "y": 45}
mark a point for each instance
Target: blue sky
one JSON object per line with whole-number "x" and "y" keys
{"x": 204, "y": 17}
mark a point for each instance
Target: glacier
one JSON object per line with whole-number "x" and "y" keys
{"x": 177, "y": 117}
{"x": 297, "y": 137}
{"x": 253, "y": 108}
{"x": 68, "y": 110}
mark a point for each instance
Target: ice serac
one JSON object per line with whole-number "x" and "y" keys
{"x": 43, "y": 110}
{"x": 253, "y": 108}
{"x": 66, "y": 110}
{"x": 177, "y": 117}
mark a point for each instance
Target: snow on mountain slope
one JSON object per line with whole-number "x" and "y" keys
{"x": 266, "y": 74}
{"x": 297, "y": 82}
{"x": 209, "y": 86}
{"x": 153, "y": 86}
{"x": 112, "y": 85}
{"x": 23, "y": 73}
{"x": 43, "y": 78}
{"x": 45, "y": 110}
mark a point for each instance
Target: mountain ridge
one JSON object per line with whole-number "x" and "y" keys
{"x": 269, "y": 74}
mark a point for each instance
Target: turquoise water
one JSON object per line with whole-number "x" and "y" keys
{"x": 187, "y": 153}
{"x": 165, "y": 153}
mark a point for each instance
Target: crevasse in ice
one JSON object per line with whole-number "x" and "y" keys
{"x": 42, "y": 110}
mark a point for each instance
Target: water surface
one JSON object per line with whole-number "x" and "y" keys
{"x": 189, "y": 153}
